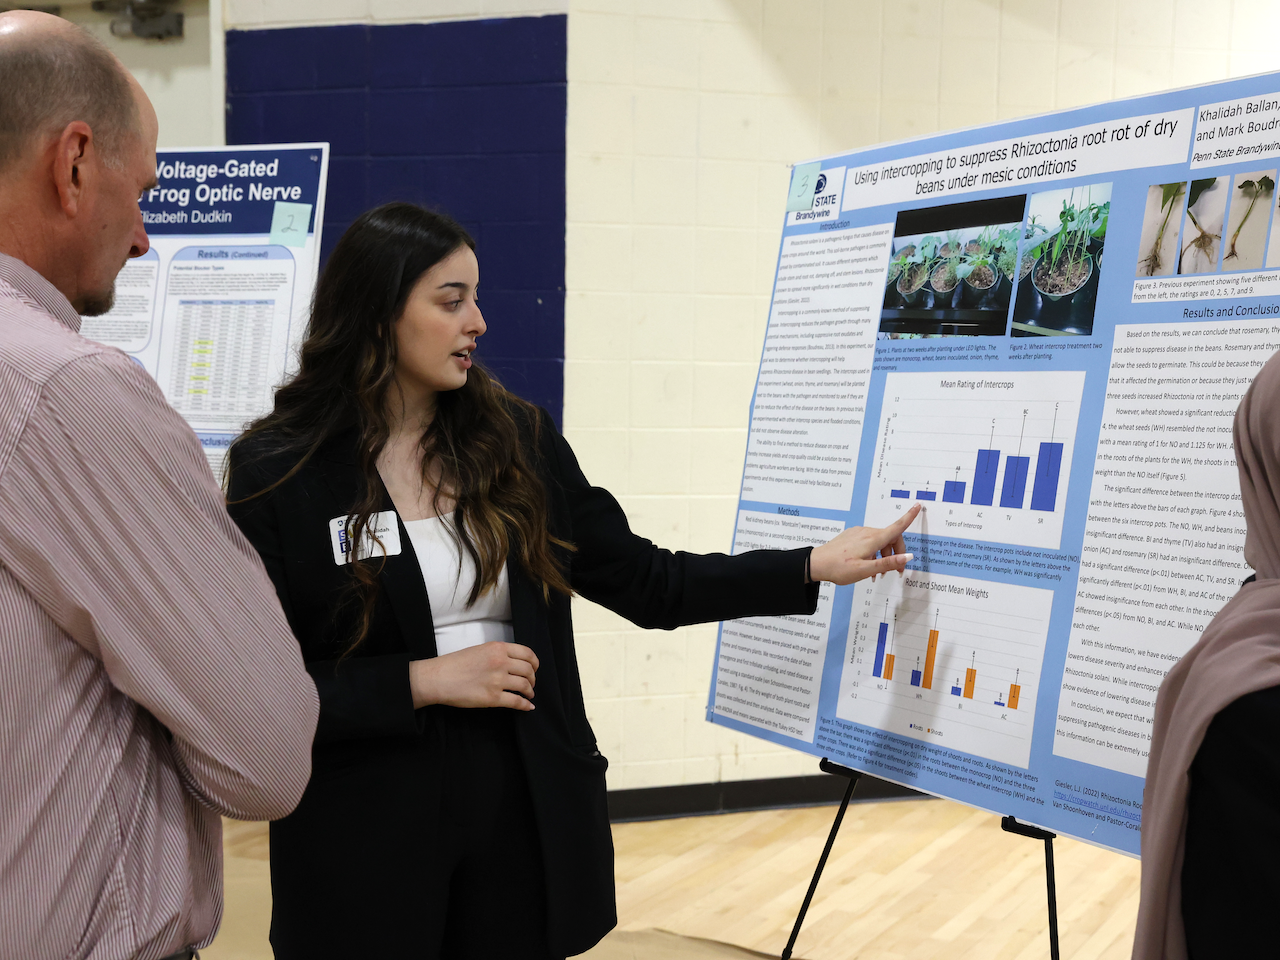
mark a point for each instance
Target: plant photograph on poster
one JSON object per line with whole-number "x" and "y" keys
{"x": 1202, "y": 229}
{"x": 1063, "y": 241}
{"x": 1158, "y": 246}
{"x": 949, "y": 273}
{"x": 1249, "y": 220}
{"x": 1273, "y": 245}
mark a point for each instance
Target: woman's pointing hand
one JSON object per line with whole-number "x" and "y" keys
{"x": 861, "y": 552}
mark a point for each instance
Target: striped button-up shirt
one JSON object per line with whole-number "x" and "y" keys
{"x": 148, "y": 679}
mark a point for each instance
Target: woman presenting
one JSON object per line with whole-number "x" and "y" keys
{"x": 425, "y": 530}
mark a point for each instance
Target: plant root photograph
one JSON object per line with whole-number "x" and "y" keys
{"x": 1273, "y": 245}
{"x": 1248, "y": 220}
{"x": 1062, "y": 247}
{"x": 1158, "y": 245}
{"x": 949, "y": 273}
{"x": 1201, "y": 243}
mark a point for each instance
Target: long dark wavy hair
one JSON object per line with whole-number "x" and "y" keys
{"x": 345, "y": 375}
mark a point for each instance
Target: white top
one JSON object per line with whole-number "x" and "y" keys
{"x": 448, "y": 586}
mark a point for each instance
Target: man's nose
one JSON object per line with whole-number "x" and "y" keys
{"x": 141, "y": 242}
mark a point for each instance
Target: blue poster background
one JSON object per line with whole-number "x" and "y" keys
{"x": 1091, "y": 802}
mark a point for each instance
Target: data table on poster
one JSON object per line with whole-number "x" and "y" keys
{"x": 219, "y": 365}
{"x": 947, "y": 660}
{"x": 989, "y": 454}
{"x": 228, "y": 317}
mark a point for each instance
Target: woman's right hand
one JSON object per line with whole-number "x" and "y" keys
{"x": 860, "y": 552}
{"x": 494, "y": 674}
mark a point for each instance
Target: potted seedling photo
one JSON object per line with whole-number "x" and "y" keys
{"x": 942, "y": 258}
{"x": 1060, "y": 256}
{"x": 1012, "y": 268}
{"x": 912, "y": 277}
{"x": 980, "y": 274}
{"x": 987, "y": 241}
{"x": 1066, "y": 264}
{"x": 1248, "y": 222}
{"x": 1006, "y": 237}
{"x": 952, "y": 246}
{"x": 943, "y": 279}
{"x": 1159, "y": 241}
{"x": 897, "y": 264}
{"x": 901, "y": 268}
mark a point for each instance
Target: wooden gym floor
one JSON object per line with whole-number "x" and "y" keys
{"x": 907, "y": 879}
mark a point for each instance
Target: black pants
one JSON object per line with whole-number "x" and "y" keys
{"x": 424, "y": 851}
{"x": 1231, "y": 872}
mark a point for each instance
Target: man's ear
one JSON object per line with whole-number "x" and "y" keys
{"x": 74, "y": 165}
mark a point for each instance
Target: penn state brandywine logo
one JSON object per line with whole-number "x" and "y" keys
{"x": 821, "y": 184}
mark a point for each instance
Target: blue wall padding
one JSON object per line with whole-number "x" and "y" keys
{"x": 465, "y": 117}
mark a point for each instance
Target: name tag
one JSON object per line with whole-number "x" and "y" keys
{"x": 382, "y": 527}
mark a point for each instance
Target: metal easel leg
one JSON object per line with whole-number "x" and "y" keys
{"x": 853, "y": 775}
{"x": 1010, "y": 825}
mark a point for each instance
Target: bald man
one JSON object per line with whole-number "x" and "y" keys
{"x": 148, "y": 679}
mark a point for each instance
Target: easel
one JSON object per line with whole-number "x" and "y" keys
{"x": 854, "y": 776}
{"x": 1008, "y": 824}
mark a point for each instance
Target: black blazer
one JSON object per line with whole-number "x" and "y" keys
{"x": 368, "y": 727}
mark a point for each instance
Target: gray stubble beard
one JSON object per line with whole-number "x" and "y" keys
{"x": 97, "y": 304}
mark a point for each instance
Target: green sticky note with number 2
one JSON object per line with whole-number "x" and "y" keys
{"x": 804, "y": 179}
{"x": 289, "y": 222}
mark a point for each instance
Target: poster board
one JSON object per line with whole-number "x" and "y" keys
{"x": 216, "y": 309}
{"x": 1040, "y": 329}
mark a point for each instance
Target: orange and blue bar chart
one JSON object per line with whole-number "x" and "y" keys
{"x": 973, "y": 648}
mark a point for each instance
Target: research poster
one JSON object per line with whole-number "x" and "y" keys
{"x": 216, "y": 308}
{"x": 1040, "y": 330}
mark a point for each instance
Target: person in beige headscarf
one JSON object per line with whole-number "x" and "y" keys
{"x": 1210, "y": 841}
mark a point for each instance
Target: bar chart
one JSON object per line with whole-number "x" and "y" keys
{"x": 975, "y": 649}
{"x": 990, "y": 451}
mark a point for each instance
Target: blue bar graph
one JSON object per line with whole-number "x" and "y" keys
{"x": 1013, "y": 489}
{"x": 984, "y": 477}
{"x": 1044, "y": 495}
{"x": 955, "y": 691}
{"x": 915, "y": 678}
{"x": 878, "y": 669}
{"x": 1015, "y": 482}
